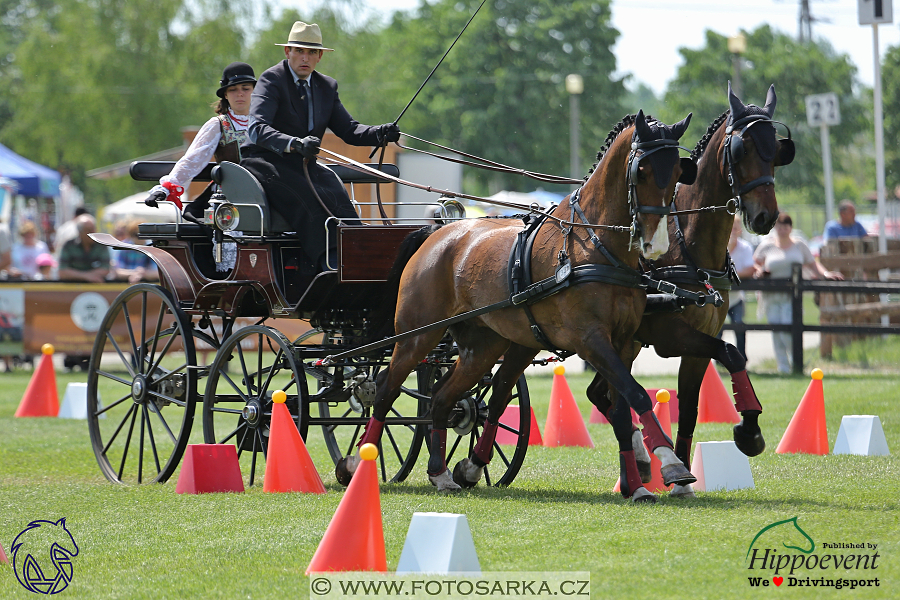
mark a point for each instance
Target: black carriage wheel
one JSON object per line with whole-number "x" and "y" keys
{"x": 467, "y": 424}
{"x": 237, "y": 405}
{"x": 400, "y": 441}
{"x": 141, "y": 399}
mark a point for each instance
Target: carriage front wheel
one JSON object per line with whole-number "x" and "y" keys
{"x": 141, "y": 386}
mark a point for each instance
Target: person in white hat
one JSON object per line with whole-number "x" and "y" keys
{"x": 291, "y": 107}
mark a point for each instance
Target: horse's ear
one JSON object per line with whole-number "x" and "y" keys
{"x": 785, "y": 152}
{"x": 688, "y": 171}
{"x": 62, "y": 522}
{"x": 680, "y": 127}
{"x": 735, "y": 103}
{"x": 643, "y": 130}
{"x": 770, "y": 102}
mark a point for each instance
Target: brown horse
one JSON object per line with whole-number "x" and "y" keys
{"x": 736, "y": 159}
{"x": 463, "y": 266}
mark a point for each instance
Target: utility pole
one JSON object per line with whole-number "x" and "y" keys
{"x": 805, "y": 34}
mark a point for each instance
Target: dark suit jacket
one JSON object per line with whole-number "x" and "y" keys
{"x": 277, "y": 114}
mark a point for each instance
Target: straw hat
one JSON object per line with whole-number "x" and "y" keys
{"x": 306, "y": 36}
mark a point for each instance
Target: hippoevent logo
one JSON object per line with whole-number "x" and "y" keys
{"x": 782, "y": 553}
{"x": 42, "y": 556}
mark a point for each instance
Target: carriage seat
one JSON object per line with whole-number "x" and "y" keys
{"x": 175, "y": 231}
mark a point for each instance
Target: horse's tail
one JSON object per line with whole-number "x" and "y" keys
{"x": 382, "y": 320}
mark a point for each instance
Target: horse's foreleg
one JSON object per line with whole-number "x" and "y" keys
{"x": 681, "y": 339}
{"x": 631, "y": 477}
{"x": 601, "y": 354}
{"x": 598, "y": 393}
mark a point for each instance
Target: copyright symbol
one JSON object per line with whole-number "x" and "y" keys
{"x": 320, "y": 586}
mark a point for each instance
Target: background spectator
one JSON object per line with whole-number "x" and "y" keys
{"x": 25, "y": 253}
{"x": 67, "y": 231}
{"x": 742, "y": 256}
{"x": 775, "y": 258}
{"x": 5, "y": 247}
{"x": 846, "y": 224}
{"x": 130, "y": 265}
{"x": 45, "y": 264}
{"x": 82, "y": 259}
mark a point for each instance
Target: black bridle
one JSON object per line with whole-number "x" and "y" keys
{"x": 734, "y": 152}
{"x": 639, "y": 152}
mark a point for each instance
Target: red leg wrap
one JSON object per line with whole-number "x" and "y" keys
{"x": 629, "y": 477}
{"x": 744, "y": 395}
{"x": 653, "y": 433}
{"x": 485, "y": 446}
{"x": 372, "y": 434}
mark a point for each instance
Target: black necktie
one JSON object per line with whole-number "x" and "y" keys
{"x": 303, "y": 88}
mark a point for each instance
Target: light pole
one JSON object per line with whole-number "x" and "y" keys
{"x": 575, "y": 87}
{"x": 737, "y": 45}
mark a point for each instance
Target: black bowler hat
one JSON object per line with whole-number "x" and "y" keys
{"x": 235, "y": 73}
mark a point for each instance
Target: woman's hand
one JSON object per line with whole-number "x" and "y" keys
{"x": 834, "y": 275}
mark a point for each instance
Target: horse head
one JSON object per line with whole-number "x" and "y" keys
{"x": 654, "y": 168}
{"x": 41, "y": 546}
{"x": 749, "y": 152}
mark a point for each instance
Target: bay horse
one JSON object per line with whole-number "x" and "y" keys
{"x": 464, "y": 266}
{"x": 736, "y": 161}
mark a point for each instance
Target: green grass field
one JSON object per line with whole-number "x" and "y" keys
{"x": 559, "y": 515}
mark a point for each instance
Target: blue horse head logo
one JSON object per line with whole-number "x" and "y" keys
{"x": 42, "y": 556}
{"x": 799, "y": 539}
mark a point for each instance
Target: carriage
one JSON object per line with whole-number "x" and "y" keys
{"x": 150, "y": 375}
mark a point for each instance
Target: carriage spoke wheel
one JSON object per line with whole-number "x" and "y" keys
{"x": 466, "y": 423}
{"x": 252, "y": 363}
{"x": 141, "y": 389}
{"x": 401, "y": 438}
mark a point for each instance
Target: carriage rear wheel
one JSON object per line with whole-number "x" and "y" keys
{"x": 147, "y": 379}
{"x": 252, "y": 363}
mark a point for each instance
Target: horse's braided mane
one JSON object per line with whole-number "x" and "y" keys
{"x": 704, "y": 141}
{"x": 627, "y": 121}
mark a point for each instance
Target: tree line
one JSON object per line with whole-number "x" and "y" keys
{"x": 94, "y": 82}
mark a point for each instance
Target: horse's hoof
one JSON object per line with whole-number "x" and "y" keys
{"x": 459, "y": 473}
{"x": 749, "y": 440}
{"x": 645, "y": 471}
{"x": 643, "y": 496}
{"x": 682, "y": 491}
{"x": 677, "y": 474}
{"x": 345, "y": 468}
{"x": 444, "y": 482}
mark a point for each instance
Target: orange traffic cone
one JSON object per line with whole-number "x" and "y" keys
{"x": 41, "y": 398}
{"x": 354, "y": 540}
{"x": 565, "y": 425}
{"x": 661, "y": 410}
{"x": 210, "y": 468}
{"x": 716, "y": 405}
{"x": 288, "y": 465}
{"x": 3, "y": 558}
{"x": 807, "y": 431}
{"x": 510, "y": 418}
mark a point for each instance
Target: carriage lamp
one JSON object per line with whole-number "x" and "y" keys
{"x": 227, "y": 217}
{"x": 451, "y": 209}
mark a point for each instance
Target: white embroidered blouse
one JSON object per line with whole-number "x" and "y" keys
{"x": 202, "y": 149}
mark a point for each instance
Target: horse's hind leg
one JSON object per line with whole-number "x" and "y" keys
{"x": 598, "y": 393}
{"x": 680, "y": 339}
{"x": 603, "y": 356}
{"x": 479, "y": 349}
{"x": 468, "y": 471}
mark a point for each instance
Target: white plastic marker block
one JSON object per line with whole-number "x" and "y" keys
{"x": 439, "y": 544}
{"x": 861, "y": 434}
{"x": 74, "y": 404}
{"x": 720, "y": 466}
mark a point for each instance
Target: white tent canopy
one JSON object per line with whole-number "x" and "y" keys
{"x": 133, "y": 207}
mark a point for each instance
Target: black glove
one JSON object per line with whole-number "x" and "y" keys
{"x": 308, "y": 147}
{"x": 157, "y": 194}
{"x": 387, "y": 133}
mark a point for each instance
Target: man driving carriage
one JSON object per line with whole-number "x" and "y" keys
{"x": 291, "y": 107}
